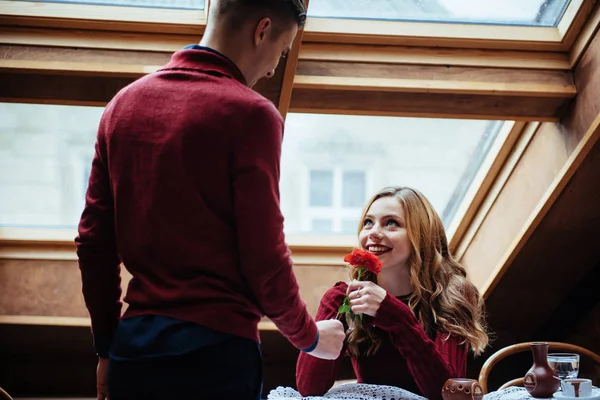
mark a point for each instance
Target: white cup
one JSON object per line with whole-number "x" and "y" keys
{"x": 577, "y": 387}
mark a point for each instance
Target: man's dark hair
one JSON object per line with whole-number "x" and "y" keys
{"x": 281, "y": 12}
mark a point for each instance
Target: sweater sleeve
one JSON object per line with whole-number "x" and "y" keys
{"x": 99, "y": 261}
{"x": 263, "y": 254}
{"x": 430, "y": 363}
{"x": 315, "y": 376}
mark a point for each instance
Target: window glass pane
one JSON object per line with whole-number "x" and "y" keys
{"x": 439, "y": 157}
{"x": 46, "y": 151}
{"x": 173, "y": 4}
{"x": 511, "y": 12}
{"x": 353, "y": 187}
{"x": 322, "y": 226}
{"x": 350, "y": 226}
{"x": 321, "y": 188}
{"x": 45, "y": 157}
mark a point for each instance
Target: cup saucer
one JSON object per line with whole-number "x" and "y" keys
{"x": 595, "y": 396}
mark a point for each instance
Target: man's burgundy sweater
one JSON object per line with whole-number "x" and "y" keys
{"x": 184, "y": 191}
{"x": 408, "y": 358}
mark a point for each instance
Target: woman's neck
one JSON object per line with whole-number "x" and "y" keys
{"x": 395, "y": 280}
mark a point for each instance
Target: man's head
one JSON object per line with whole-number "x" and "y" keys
{"x": 263, "y": 31}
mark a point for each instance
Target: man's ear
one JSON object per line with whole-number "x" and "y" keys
{"x": 262, "y": 30}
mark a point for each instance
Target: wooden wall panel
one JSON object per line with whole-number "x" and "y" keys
{"x": 554, "y": 260}
{"x": 577, "y": 320}
{"x": 53, "y": 287}
{"x": 546, "y": 154}
{"x": 315, "y": 280}
{"x": 43, "y": 288}
{"x": 586, "y": 334}
{"x": 545, "y": 269}
{"x": 530, "y": 179}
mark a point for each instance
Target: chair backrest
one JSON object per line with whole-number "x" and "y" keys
{"x": 4, "y": 395}
{"x": 522, "y": 347}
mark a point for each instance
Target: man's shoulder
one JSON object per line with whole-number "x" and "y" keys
{"x": 255, "y": 103}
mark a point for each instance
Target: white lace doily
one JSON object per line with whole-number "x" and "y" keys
{"x": 510, "y": 393}
{"x": 514, "y": 393}
{"x": 349, "y": 391}
{"x": 359, "y": 391}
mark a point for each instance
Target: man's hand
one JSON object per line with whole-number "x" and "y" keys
{"x": 102, "y": 379}
{"x": 331, "y": 339}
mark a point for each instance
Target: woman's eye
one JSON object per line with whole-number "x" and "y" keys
{"x": 392, "y": 222}
{"x": 367, "y": 222}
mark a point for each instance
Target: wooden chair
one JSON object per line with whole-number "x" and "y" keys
{"x": 4, "y": 395}
{"x": 523, "y": 347}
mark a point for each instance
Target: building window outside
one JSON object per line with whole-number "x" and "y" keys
{"x": 321, "y": 188}
{"x": 335, "y": 201}
{"x": 343, "y": 160}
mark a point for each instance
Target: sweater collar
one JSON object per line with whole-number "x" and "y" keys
{"x": 204, "y": 59}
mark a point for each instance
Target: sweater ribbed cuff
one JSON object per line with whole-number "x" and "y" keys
{"x": 313, "y": 346}
{"x": 102, "y": 345}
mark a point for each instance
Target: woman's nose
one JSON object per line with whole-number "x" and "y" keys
{"x": 375, "y": 232}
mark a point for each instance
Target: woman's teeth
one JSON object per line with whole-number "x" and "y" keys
{"x": 377, "y": 249}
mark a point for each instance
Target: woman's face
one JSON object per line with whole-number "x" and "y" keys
{"x": 384, "y": 232}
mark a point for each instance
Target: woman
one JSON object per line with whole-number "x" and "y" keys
{"x": 420, "y": 313}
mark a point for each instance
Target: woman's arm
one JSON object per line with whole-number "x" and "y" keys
{"x": 315, "y": 376}
{"x": 430, "y": 363}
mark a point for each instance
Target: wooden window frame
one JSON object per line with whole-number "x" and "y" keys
{"x": 101, "y": 17}
{"x": 329, "y": 30}
{"x": 453, "y": 35}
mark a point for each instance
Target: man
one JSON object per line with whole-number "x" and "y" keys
{"x": 184, "y": 191}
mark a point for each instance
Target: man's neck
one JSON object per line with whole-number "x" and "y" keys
{"x": 227, "y": 46}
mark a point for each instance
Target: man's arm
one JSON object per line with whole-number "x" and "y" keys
{"x": 264, "y": 255}
{"x": 99, "y": 260}
{"x": 314, "y": 377}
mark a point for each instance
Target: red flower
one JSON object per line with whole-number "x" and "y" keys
{"x": 365, "y": 259}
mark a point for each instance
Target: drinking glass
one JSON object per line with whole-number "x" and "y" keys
{"x": 565, "y": 365}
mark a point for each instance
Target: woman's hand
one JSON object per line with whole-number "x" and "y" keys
{"x": 365, "y": 297}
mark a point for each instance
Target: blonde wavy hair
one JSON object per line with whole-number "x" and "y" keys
{"x": 443, "y": 299}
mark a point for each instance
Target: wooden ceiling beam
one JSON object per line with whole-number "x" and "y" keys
{"x": 434, "y": 56}
{"x": 71, "y": 76}
{"x": 431, "y": 91}
{"x": 308, "y": 85}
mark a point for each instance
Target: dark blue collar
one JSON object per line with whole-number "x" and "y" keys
{"x": 204, "y": 48}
